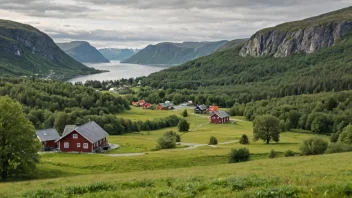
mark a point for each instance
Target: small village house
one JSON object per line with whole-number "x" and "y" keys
{"x": 199, "y": 109}
{"x": 47, "y": 138}
{"x": 146, "y": 106}
{"x": 213, "y": 108}
{"x": 89, "y": 137}
{"x": 139, "y": 103}
{"x": 165, "y": 106}
{"x": 219, "y": 117}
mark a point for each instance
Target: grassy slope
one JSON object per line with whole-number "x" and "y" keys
{"x": 313, "y": 176}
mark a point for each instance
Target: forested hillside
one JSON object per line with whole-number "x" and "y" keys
{"x": 245, "y": 79}
{"x": 174, "y": 53}
{"x": 83, "y": 52}
{"x": 56, "y": 104}
{"x": 25, "y": 50}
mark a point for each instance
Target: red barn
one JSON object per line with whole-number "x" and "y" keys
{"x": 219, "y": 117}
{"x": 89, "y": 137}
{"x": 48, "y": 137}
{"x": 146, "y": 106}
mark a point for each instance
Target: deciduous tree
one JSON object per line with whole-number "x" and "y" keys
{"x": 266, "y": 128}
{"x": 18, "y": 146}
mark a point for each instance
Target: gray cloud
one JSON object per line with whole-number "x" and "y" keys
{"x": 136, "y": 23}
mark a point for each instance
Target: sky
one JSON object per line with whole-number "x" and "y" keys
{"x": 138, "y": 23}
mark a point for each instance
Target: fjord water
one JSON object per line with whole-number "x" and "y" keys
{"x": 117, "y": 71}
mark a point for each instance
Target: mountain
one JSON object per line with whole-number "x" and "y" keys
{"x": 174, "y": 53}
{"x": 233, "y": 43}
{"x": 248, "y": 78}
{"x": 83, "y": 52}
{"x": 118, "y": 54}
{"x": 25, "y": 50}
{"x": 307, "y": 36}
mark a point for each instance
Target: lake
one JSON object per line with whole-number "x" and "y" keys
{"x": 117, "y": 71}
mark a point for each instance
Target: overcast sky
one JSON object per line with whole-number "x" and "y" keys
{"x": 137, "y": 23}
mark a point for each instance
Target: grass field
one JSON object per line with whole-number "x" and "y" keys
{"x": 189, "y": 173}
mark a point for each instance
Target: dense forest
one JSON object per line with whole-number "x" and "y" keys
{"x": 55, "y": 104}
{"x": 251, "y": 79}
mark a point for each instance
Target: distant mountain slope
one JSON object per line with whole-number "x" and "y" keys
{"x": 233, "y": 43}
{"x": 118, "y": 54}
{"x": 307, "y": 36}
{"x": 25, "y": 50}
{"x": 254, "y": 78}
{"x": 174, "y": 53}
{"x": 83, "y": 52}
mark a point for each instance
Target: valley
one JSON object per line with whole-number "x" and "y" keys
{"x": 261, "y": 116}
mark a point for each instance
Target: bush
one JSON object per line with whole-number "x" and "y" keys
{"x": 167, "y": 142}
{"x": 338, "y": 148}
{"x": 313, "y": 146}
{"x": 213, "y": 141}
{"x": 185, "y": 113}
{"x": 239, "y": 155}
{"x": 174, "y": 134}
{"x": 289, "y": 153}
{"x": 183, "y": 126}
{"x": 272, "y": 154}
{"x": 244, "y": 139}
{"x": 346, "y": 135}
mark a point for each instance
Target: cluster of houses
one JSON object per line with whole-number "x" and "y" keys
{"x": 215, "y": 115}
{"x": 161, "y": 106}
{"x": 89, "y": 137}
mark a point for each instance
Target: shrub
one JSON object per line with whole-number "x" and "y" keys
{"x": 174, "y": 134}
{"x": 244, "y": 139}
{"x": 213, "y": 141}
{"x": 338, "y": 148}
{"x": 346, "y": 135}
{"x": 167, "y": 142}
{"x": 185, "y": 113}
{"x": 289, "y": 153}
{"x": 239, "y": 155}
{"x": 183, "y": 126}
{"x": 272, "y": 154}
{"x": 313, "y": 146}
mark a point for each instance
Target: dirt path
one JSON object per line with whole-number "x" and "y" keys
{"x": 195, "y": 145}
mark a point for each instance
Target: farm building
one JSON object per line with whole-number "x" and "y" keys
{"x": 139, "y": 103}
{"x": 89, "y": 137}
{"x": 200, "y": 109}
{"x": 219, "y": 117}
{"x": 165, "y": 106}
{"x": 47, "y": 138}
{"x": 146, "y": 106}
{"x": 213, "y": 108}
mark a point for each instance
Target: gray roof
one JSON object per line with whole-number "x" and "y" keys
{"x": 166, "y": 104}
{"x": 221, "y": 114}
{"x": 202, "y": 107}
{"x": 68, "y": 129}
{"x": 91, "y": 131}
{"x": 47, "y": 135}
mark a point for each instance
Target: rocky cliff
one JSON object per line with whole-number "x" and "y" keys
{"x": 25, "y": 50}
{"x": 307, "y": 36}
{"x": 83, "y": 52}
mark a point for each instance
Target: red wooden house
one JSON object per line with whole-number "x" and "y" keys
{"x": 47, "y": 138}
{"x": 139, "y": 103}
{"x": 213, "y": 108}
{"x": 89, "y": 137}
{"x": 219, "y": 117}
{"x": 146, "y": 106}
{"x": 165, "y": 106}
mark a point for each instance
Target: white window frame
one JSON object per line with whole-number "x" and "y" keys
{"x": 78, "y": 145}
{"x": 75, "y": 136}
{"x": 66, "y": 145}
{"x": 85, "y": 145}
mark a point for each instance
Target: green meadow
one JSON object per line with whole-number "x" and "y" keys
{"x": 202, "y": 171}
